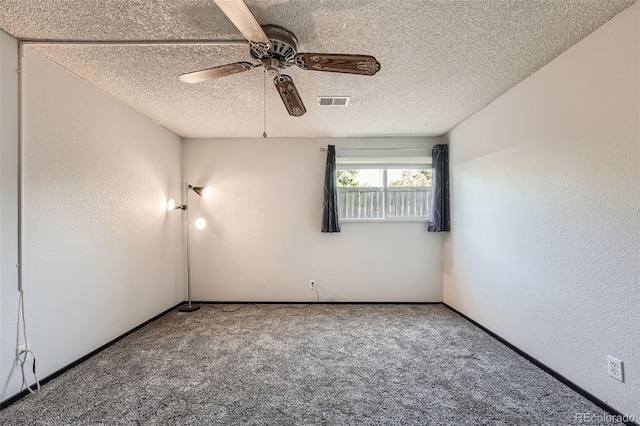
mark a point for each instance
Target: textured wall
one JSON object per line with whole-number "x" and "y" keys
{"x": 545, "y": 240}
{"x": 8, "y": 208}
{"x": 263, "y": 242}
{"x": 101, "y": 254}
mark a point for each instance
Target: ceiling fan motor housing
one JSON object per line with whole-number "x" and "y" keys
{"x": 272, "y": 66}
{"x": 284, "y": 46}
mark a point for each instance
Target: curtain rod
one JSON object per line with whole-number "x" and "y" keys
{"x": 211, "y": 42}
{"x": 378, "y": 149}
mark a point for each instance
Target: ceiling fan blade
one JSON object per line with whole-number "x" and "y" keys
{"x": 221, "y": 71}
{"x": 344, "y": 63}
{"x": 238, "y": 12}
{"x": 289, "y": 95}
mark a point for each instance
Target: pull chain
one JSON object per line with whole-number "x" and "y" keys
{"x": 264, "y": 106}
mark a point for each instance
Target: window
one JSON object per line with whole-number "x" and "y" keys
{"x": 377, "y": 192}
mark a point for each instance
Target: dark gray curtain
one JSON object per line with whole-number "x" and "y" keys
{"x": 330, "y": 220}
{"x": 439, "y": 220}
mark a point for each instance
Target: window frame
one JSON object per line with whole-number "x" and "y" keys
{"x": 342, "y": 165}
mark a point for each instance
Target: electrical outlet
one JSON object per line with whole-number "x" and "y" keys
{"x": 615, "y": 368}
{"x": 21, "y": 349}
{"x": 312, "y": 284}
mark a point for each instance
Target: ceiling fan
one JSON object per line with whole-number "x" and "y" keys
{"x": 277, "y": 48}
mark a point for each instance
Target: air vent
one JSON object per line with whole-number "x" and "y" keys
{"x": 333, "y": 100}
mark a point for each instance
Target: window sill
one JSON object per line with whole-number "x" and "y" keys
{"x": 388, "y": 219}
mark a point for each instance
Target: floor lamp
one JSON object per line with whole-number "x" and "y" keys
{"x": 199, "y": 224}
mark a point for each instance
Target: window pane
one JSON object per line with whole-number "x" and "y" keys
{"x": 408, "y": 192}
{"x": 360, "y": 193}
{"x": 409, "y": 177}
{"x": 359, "y": 177}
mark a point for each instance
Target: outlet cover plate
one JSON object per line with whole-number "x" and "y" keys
{"x": 20, "y": 349}
{"x": 615, "y": 368}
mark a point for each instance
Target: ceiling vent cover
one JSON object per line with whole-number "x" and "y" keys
{"x": 334, "y": 100}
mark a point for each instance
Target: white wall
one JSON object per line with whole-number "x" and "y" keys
{"x": 263, "y": 242}
{"x": 8, "y": 208}
{"x": 101, "y": 254}
{"x": 545, "y": 241}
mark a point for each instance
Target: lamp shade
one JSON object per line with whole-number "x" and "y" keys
{"x": 197, "y": 189}
{"x": 200, "y": 223}
{"x": 171, "y": 205}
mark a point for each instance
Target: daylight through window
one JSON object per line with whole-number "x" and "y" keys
{"x": 383, "y": 192}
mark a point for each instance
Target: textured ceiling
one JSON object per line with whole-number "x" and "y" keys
{"x": 441, "y": 60}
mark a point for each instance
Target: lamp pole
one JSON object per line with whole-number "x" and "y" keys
{"x": 189, "y": 307}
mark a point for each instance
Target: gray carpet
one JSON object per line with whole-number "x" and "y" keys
{"x": 319, "y": 365}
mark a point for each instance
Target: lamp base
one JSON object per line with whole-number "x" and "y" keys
{"x": 188, "y": 308}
